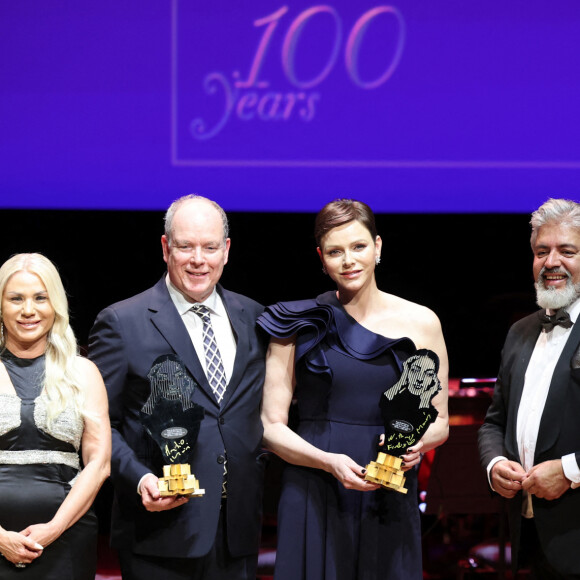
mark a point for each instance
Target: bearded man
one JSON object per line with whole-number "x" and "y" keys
{"x": 529, "y": 442}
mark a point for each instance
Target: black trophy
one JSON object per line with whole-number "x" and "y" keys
{"x": 407, "y": 412}
{"x": 172, "y": 419}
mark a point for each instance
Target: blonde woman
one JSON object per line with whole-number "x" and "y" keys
{"x": 53, "y": 403}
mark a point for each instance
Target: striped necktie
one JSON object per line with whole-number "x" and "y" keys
{"x": 216, "y": 375}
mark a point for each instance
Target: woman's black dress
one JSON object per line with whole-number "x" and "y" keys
{"x": 38, "y": 465}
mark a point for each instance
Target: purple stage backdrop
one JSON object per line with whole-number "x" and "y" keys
{"x": 416, "y": 106}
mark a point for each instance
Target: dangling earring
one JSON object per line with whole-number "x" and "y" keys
{"x": 324, "y": 269}
{"x": 377, "y": 260}
{"x": 1, "y": 331}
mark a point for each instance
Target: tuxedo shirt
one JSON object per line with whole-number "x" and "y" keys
{"x": 547, "y": 351}
{"x": 539, "y": 373}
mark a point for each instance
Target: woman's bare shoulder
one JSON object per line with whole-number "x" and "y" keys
{"x": 413, "y": 312}
{"x": 84, "y": 365}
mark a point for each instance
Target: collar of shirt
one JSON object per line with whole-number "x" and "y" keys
{"x": 221, "y": 326}
{"x": 213, "y": 301}
{"x": 559, "y": 331}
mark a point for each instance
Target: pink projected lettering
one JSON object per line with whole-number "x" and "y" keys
{"x": 252, "y": 98}
{"x": 211, "y": 84}
{"x": 355, "y": 39}
{"x": 291, "y": 40}
{"x": 272, "y": 21}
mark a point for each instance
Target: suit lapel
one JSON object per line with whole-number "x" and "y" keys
{"x": 167, "y": 321}
{"x": 523, "y": 356}
{"x": 235, "y": 312}
{"x": 556, "y": 401}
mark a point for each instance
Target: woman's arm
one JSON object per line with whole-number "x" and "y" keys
{"x": 438, "y": 432}
{"x": 96, "y": 451}
{"x": 279, "y": 438}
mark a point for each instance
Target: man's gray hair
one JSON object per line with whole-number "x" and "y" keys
{"x": 563, "y": 212}
{"x": 170, "y": 214}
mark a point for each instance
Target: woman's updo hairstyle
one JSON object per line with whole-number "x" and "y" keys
{"x": 340, "y": 212}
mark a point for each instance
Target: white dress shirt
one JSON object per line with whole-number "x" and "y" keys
{"x": 547, "y": 351}
{"x": 220, "y": 322}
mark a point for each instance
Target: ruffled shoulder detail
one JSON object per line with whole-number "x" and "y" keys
{"x": 308, "y": 320}
{"x": 325, "y": 318}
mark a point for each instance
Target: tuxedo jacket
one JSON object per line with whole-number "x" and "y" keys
{"x": 125, "y": 341}
{"x": 557, "y": 521}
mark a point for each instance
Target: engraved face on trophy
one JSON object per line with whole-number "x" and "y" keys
{"x": 406, "y": 407}
{"x": 173, "y": 421}
{"x": 419, "y": 376}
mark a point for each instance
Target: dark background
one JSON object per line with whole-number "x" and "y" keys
{"x": 473, "y": 270}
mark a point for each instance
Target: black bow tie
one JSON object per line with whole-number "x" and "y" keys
{"x": 561, "y": 318}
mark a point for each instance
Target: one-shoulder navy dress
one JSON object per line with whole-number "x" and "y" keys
{"x": 326, "y": 532}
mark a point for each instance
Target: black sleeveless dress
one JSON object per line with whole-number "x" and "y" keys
{"x": 326, "y": 532}
{"x": 38, "y": 465}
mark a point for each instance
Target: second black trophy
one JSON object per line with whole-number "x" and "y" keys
{"x": 407, "y": 413}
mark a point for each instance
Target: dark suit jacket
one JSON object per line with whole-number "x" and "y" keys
{"x": 557, "y": 521}
{"x": 125, "y": 340}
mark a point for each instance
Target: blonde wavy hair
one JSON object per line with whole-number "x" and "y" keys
{"x": 62, "y": 382}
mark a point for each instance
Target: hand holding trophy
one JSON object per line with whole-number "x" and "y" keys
{"x": 407, "y": 413}
{"x": 173, "y": 420}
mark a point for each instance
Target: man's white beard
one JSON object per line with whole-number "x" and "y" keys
{"x": 554, "y": 298}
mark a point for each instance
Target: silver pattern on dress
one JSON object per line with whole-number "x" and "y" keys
{"x": 31, "y": 456}
{"x": 68, "y": 426}
{"x": 10, "y": 413}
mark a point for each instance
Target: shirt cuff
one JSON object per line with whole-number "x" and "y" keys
{"x": 141, "y": 481}
{"x": 571, "y": 471}
{"x": 490, "y": 465}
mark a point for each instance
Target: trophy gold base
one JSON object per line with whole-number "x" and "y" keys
{"x": 386, "y": 471}
{"x": 178, "y": 480}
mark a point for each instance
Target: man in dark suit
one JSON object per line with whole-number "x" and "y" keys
{"x": 530, "y": 439}
{"x": 216, "y": 536}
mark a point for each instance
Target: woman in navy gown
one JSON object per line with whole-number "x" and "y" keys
{"x": 335, "y": 355}
{"x": 52, "y": 403}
